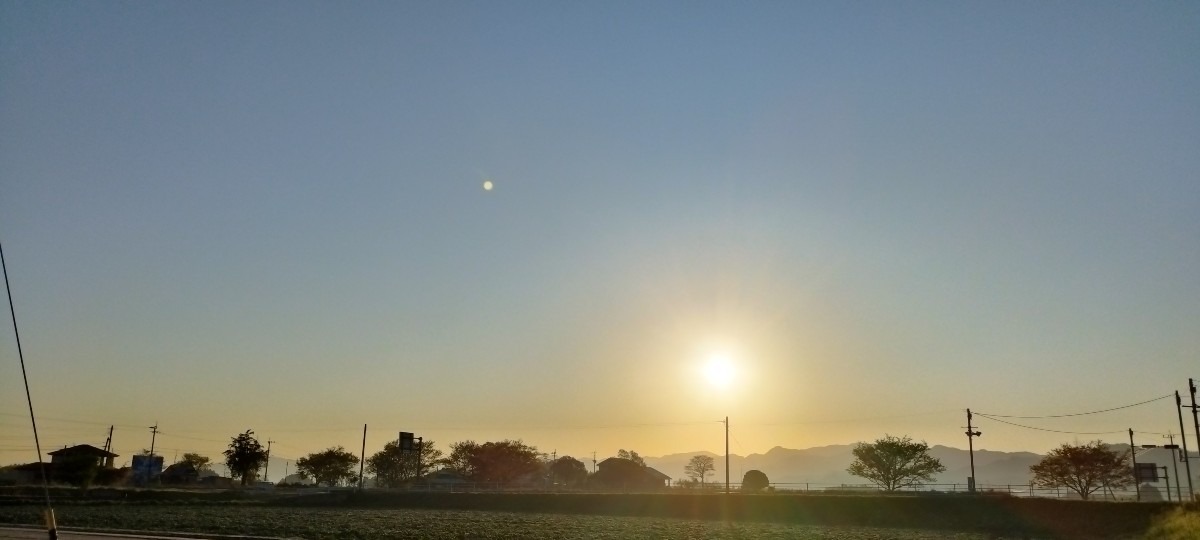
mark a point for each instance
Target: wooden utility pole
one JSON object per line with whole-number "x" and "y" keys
{"x": 727, "y": 455}
{"x": 1187, "y": 461}
{"x": 971, "y": 434}
{"x": 1133, "y": 454}
{"x": 362, "y": 462}
{"x": 267, "y": 469}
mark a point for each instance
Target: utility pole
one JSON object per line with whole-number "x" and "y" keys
{"x": 1195, "y": 422}
{"x": 727, "y": 455}
{"x": 267, "y": 469}
{"x": 1175, "y": 464}
{"x": 362, "y": 461}
{"x": 1195, "y": 419}
{"x": 1168, "y": 479}
{"x": 593, "y": 462}
{"x": 971, "y": 434}
{"x": 1137, "y": 485}
{"x": 153, "y": 436}
{"x": 1187, "y": 461}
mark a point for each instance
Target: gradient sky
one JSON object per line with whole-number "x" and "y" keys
{"x": 221, "y": 216}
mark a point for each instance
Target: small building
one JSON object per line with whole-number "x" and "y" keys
{"x": 657, "y": 476}
{"x": 83, "y": 452}
{"x": 623, "y": 474}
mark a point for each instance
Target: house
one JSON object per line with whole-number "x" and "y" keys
{"x": 655, "y": 475}
{"x": 624, "y": 474}
{"x": 81, "y": 453}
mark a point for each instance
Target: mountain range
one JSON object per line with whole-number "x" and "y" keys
{"x": 825, "y": 466}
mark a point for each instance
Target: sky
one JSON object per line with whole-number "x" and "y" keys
{"x": 221, "y": 216}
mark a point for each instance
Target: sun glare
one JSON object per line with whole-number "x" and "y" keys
{"x": 719, "y": 371}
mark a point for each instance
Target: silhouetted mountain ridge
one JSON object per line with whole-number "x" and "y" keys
{"x": 826, "y": 465}
{"x": 823, "y": 466}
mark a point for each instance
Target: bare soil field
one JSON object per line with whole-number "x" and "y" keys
{"x": 364, "y": 524}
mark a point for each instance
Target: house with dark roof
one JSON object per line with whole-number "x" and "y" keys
{"x": 624, "y": 474}
{"x": 81, "y": 452}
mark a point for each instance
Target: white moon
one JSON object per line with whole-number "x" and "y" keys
{"x": 487, "y": 185}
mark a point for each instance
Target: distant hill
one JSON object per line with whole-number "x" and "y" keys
{"x": 826, "y": 465}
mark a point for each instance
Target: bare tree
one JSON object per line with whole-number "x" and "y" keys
{"x": 699, "y": 467}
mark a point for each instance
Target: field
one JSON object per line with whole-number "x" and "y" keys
{"x": 398, "y": 514}
{"x": 335, "y": 523}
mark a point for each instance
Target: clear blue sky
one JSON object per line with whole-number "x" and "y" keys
{"x": 270, "y": 215}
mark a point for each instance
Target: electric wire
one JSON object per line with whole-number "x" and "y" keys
{"x": 1075, "y": 414}
{"x": 850, "y": 420}
{"x": 1050, "y": 430}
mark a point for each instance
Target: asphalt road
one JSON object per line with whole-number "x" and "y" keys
{"x": 8, "y": 533}
{"x": 34, "y": 534}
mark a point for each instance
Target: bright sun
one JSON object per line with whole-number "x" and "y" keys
{"x": 719, "y": 371}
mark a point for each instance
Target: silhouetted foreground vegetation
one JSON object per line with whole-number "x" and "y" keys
{"x": 364, "y": 524}
{"x": 486, "y": 515}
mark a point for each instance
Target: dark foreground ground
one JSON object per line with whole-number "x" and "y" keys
{"x": 382, "y": 514}
{"x": 358, "y": 523}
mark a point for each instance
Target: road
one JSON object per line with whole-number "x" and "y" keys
{"x": 10, "y": 533}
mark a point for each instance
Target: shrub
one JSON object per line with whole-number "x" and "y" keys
{"x": 1178, "y": 524}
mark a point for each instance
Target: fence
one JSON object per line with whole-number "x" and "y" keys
{"x": 813, "y": 488}
{"x": 1156, "y": 493}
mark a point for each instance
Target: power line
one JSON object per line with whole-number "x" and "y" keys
{"x": 1075, "y": 414}
{"x": 95, "y": 422}
{"x": 1050, "y": 430}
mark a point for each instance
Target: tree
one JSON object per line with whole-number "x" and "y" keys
{"x": 393, "y": 467}
{"x": 245, "y": 456}
{"x": 197, "y": 461}
{"x": 894, "y": 462}
{"x": 331, "y": 467}
{"x": 699, "y": 467}
{"x": 503, "y": 462}
{"x": 459, "y": 460}
{"x": 754, "y": 481}
{"x": 1083, "y": 468}
{"x": 631, "y": 456}
{"x": 568, "y": 470}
